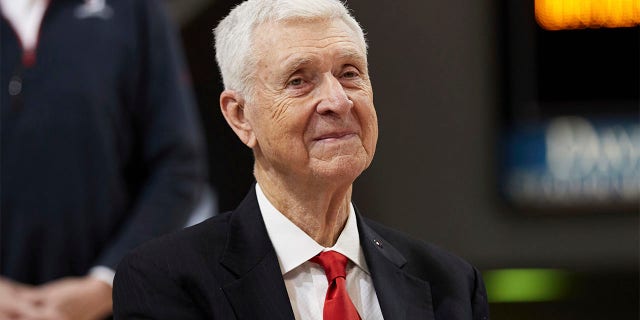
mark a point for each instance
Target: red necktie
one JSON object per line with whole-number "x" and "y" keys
{"x": 337, "y": 305}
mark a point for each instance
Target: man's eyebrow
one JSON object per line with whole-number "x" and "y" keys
{"x": 350, "y": 55}
{"x": 293, "y": 64}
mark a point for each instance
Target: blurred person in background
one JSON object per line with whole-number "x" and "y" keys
{"x": 100, "y": 148}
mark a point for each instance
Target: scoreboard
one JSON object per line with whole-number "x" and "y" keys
{"x": 569, "y": 138}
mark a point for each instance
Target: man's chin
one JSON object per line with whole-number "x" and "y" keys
{"x": 339, "y": 169}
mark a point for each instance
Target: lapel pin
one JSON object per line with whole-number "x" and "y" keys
{"x": 378, "y": 243}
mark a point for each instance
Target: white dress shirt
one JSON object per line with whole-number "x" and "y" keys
{"x": 25, "y": 16}
{"x": 306, "y": 281}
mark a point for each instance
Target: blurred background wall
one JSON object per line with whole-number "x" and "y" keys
{"x": 437, "y": 69}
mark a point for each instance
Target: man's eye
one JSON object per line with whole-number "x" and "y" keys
{"x": 295, "y": 82}
{"x": 350, "y": 74}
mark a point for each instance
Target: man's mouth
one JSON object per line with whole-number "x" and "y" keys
{"x": 339, "y": 135}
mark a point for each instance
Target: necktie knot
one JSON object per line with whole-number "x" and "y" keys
{"x": 337, "y": 304}
{"x": 333, "y": 263}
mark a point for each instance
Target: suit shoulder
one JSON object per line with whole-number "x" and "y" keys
{"x": 422, "y": 257}
{"x": 173, "y": 276}
{"x": 205, "y": 238}
{"x": 456, "y": 286}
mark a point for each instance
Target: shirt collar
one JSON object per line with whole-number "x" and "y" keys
{"x": 294, "y": 247}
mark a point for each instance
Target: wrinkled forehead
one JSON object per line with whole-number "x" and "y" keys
{"x": 273, "y": 38}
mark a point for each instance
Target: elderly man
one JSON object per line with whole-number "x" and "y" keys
{"x": 298, "y": 93}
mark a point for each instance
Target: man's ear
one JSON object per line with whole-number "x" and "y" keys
{"x": 232, "y": 106}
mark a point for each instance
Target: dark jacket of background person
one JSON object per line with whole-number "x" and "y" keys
{"x": 100, "y": 147}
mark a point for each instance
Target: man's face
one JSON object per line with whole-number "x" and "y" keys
{"x": 312, "y": 113}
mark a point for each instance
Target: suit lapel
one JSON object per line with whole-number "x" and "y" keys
{"x": 258, "y": 291}
{"x": 401, "y": 295}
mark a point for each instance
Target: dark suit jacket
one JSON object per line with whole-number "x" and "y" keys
{"x": 226, "y": 268}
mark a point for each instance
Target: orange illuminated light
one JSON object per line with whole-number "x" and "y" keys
{"x": 579, "y": 14}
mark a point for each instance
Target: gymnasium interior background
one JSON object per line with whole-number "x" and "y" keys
{"x": 502, "y": 139}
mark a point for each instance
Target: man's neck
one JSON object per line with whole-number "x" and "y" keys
{"x": 320, "y": 210}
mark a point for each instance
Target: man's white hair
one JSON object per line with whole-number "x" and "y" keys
{"x": 234, "y": 34}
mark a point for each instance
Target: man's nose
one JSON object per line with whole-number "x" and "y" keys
{"x": 334, "y": 97}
